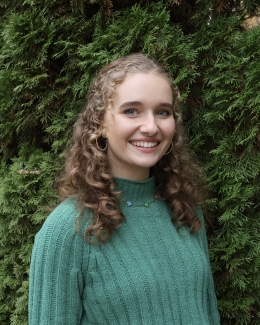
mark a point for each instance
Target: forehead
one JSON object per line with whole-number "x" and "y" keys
{"x": 143, "y": 85}
{"x": 141, "y": 75}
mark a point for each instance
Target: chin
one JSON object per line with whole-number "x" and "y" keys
{"x": 148, "y": 165}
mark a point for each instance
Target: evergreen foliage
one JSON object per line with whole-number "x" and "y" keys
{"x": 50, "y": 52}
{"x": 228, "y": 138}
{"x": 26, "y": 197}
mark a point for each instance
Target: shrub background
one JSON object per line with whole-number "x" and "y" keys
{"x": 50, "y": 52}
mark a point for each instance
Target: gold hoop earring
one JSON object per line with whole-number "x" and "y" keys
{"x": 166, "y": 153}
{"x": 104, "y": 140}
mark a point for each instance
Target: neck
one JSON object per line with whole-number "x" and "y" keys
{"x": 135, "y": 175}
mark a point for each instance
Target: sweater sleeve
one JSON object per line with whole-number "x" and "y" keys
{"x": 211, "y": 296}
{"x": 56, "y": 280}
{"x": 202, "y": 232}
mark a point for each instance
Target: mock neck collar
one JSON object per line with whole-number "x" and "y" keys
{"x": 136, "y": 191}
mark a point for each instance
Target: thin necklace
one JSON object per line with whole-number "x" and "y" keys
{"x": 145, "y": 204}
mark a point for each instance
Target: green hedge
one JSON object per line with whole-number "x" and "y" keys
{"x": 51, "y": 50}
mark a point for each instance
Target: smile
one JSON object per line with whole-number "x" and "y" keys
{"x": 144, "y": 144}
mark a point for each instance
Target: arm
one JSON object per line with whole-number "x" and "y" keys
{"x": 211, "y": 296}
{"x": 56, "y": 282}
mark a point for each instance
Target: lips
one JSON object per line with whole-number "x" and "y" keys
{"x": 144, "y": 144}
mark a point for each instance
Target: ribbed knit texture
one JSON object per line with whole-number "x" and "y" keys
{"x": 147, "y": 273}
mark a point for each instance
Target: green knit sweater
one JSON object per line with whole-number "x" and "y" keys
{"x": 147, "y": 273}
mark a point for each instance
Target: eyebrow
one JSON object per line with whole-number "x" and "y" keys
{"x": 137, "y": 103}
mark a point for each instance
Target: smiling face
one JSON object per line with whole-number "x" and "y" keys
{"x": 139, "y": 125}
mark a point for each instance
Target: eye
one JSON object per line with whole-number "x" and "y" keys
{"x": 164, "y": 112}
{"x": 130, "y": 111}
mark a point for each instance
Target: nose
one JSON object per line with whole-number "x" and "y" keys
{"x": 149, "y": 126}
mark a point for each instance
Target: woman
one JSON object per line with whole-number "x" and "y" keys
{"x": 127, "y": 245}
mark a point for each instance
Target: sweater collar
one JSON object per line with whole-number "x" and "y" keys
{"x": 137, "y": 192}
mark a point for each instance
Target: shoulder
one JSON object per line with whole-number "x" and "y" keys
{"x": 60, "y": 225}
{"x": 202, "y": 237}
{"x": 199, "y": 215}
{"x": 62, "y": 217}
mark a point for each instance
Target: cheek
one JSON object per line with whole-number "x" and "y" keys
{"x": 173, "y": 128}
{"x": 117, "y": 131}
{"x": 110, "y": 125}
{"x": 170, "y": 129}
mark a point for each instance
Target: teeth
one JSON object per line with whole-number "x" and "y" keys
{"x": 144, "y": 144}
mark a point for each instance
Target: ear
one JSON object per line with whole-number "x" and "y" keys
{"x": 104, "y": 132}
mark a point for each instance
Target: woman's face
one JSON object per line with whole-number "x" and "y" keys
{"x": 139, "y": 125}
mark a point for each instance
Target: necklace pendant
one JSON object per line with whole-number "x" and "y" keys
{"x": 145, "y": 204}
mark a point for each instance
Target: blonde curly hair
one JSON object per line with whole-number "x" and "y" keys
{"x": 87, "y": 174}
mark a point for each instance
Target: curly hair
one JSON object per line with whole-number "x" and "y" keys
{"x": 87, "y": 174}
